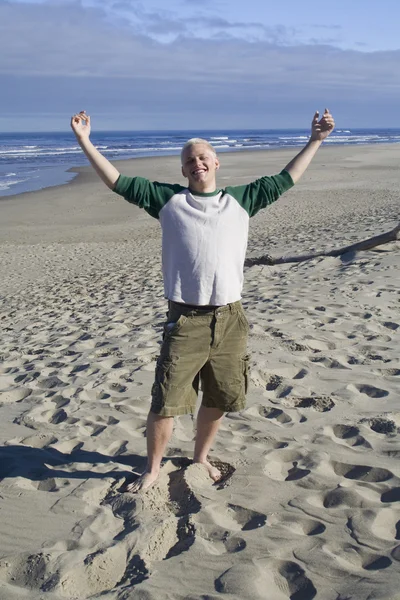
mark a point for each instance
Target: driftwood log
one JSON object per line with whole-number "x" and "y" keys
{"x": 377, "y": 240}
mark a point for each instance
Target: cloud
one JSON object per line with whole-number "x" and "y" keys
{"x": 61, "y": 57}
{"x": 55, "y": 40}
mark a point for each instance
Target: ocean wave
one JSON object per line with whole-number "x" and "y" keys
{"x": 247, "y": 146}
{"x": 353, "y": 139}
{"x": 6, "y": 185}
{"x": 144, "y": 149}
{"x": 294, "y": 137}
{"x": 36, "y": 151}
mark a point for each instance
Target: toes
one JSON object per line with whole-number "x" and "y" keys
{"x": 143, "y": 482}
{"x": 215, "y": 474}
{"x": 133, "y": 487}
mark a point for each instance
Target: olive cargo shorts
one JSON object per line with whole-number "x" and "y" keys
{"x": 207, "y": 344}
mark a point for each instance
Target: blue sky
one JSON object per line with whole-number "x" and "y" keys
{"x": 182, "y": 64}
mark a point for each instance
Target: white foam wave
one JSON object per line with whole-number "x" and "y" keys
{"x": 294, "y": 137}
{"x": 256, "y": 146}
{"x": 353, "y": 139}
{"x": 5, "y": 185}
{"x": 130, "y": 150}
{"x": 36, "y": 151}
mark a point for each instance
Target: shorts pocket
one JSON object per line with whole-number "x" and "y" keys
{"x": 172, "y": 327}
{"x": 243, "y": 320}
{"x": 246, "y": 371}
{"x": 160, "y": 384}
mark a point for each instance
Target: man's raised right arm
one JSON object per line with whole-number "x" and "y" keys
{"x": 80, "y": 124}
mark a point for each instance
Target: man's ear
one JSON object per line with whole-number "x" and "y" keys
{"x": 216, "y": 164}
{"x": 183, "y": 171}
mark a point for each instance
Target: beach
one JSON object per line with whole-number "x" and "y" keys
{"x": 310, "y": 507}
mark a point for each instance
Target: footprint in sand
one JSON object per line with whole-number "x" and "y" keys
{"x": 27, "y": 377}
{"x": 392, "y": 495}
{"x": 352, "y": 557}
{"x": 220, "y": 539}
{"x": 14, "y": 395}
{"x": 330, "y": 363}
{"x": 283, "y": 465}
{"x": 283, "y": 579}
{"x": 390, "y": 372}
{"x": 301, "y": 374}
{"x": 382, "y": 425}
{"x": 391, "y": 325}
{"x": 370, "y": 390}
{"x": 318, "y": 403}
{"x": 362, "y": 472}
{"x": 350, "y": 435}
{"x": 273, "y": 382}
{"x": 383, "y": 523}
{"x": 246, "y": 518}
{"x": 275, "y": 414}
{"x": 60, "y": 401}
{"x": 343, "y": 497}
{"x": 297, "y": 524}
{"x": 58, "y": 416}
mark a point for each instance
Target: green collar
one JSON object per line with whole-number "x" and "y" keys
{"x": 204, "y": 194}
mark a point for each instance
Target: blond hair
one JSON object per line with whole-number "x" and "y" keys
{"x": 193, "y": 142}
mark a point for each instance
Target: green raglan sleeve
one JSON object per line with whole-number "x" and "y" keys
{"x": 150, "y": 195}
{"x": 261, "y": 192}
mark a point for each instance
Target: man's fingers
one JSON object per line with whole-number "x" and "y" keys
{"x": 316, "y": 116}
{"x": 328, "y": 119}
{"x": 79, "y": 117}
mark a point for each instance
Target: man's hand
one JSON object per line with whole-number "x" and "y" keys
{"x": 320, "y": 129}
{"x": 80, "y": 124}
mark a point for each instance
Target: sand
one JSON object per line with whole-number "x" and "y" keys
{"x": 312, "y": 506}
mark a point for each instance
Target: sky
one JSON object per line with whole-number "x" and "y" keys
{"x": 198, "y": 64}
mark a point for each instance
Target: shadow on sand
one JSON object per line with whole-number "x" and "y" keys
{"x": 38, "y": 464}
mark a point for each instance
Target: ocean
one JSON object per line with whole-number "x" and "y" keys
{"x": 33, "y": 161}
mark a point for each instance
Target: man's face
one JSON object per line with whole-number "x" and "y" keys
{"x": 199, "y": 165}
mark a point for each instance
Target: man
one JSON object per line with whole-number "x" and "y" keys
{"x": 204, "y": 231}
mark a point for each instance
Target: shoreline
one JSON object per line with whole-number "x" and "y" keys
{"x": 292, "y": 150}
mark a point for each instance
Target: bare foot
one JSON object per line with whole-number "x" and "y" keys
{"x": 213, "y": 472}
{"x": 143, "y": 482}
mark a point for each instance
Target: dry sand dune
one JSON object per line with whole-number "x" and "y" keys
{"x": 310, "y": 507}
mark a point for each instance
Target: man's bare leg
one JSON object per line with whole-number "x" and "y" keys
{"x": 208, "y": 422}
{"x": 159, "y": 431}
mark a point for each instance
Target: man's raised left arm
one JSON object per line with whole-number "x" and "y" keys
{"x": 320, "y": 129}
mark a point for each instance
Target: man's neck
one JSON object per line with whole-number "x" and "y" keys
{"x": 209, "y": 188}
